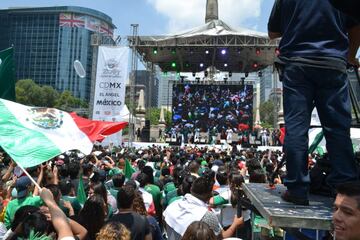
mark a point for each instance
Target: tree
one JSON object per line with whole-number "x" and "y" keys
{"x": 267, "y": 112}
{"x": 168, "y": 117}
{"x": 153, "y": 114}
{"x": 68, "y": 102}
{"x": 49, "y": 96}
{"x": 29, "y": 93}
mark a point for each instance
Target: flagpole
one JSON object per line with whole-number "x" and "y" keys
{"x": 31, "y": 178}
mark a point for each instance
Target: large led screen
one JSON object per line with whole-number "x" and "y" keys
{"x": 207, "y": 107}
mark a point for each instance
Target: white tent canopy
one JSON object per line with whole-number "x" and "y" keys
{"x": 246, "y": 50}
{"x": 212, "y": 28}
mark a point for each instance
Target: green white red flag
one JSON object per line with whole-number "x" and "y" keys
{"x": 33, "y": 135}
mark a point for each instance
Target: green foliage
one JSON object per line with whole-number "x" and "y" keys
{"x": 168, "y": 117}
{"x": 29, "y": 93}
{"x": 67, "y": 102}
{"x": 125, "y": 131}
{"x": 49, "y": 95}
{"x": 153, "y": 114}
{"x": 267, "y": 125}
{"x": 267, "y": 113}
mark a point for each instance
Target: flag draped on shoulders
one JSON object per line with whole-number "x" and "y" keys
{"x": 33, "y": 135}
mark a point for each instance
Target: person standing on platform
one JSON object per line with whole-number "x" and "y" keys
{"x": 317, "y": 42}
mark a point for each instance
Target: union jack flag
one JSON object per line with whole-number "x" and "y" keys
{"x": 71, "y": 20}
{"x": 106, "y": 29}
{"x": 92, "y": 24}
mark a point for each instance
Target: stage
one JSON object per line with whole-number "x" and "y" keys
{"x": 140, "y": 145}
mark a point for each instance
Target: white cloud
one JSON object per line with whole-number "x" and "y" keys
{"x": 185, "y": 14}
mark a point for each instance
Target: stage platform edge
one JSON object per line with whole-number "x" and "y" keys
{"x": 318, "y": 215}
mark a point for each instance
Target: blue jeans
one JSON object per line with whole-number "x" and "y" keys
{"x": 327, "y": 90}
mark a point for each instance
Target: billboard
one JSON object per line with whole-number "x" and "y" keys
{"x": 111, "y": 76}
{"x": 203, "y": 108}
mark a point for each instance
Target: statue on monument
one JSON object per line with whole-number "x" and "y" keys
{"x": 212, "y": 10}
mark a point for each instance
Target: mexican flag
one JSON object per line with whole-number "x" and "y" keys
{"x": 33, "y": 135}
{"x": 97, "y": 130}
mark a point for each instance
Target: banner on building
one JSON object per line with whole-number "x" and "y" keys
{"x": 92, "y": 24}
{"x": 111, "y": 76}
{"x": 84, "y": 21}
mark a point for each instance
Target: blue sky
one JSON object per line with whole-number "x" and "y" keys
{"x": 157, "y": 17}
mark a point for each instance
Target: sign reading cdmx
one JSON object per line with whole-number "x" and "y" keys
{"x": 110, "y": 85}
{"x": 111, "y": 74}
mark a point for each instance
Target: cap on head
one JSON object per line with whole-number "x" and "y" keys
{"x": 22, "y": 185}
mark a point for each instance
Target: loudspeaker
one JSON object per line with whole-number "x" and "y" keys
{"x": 147, "y": 124}
{"x": 145, "y": 135}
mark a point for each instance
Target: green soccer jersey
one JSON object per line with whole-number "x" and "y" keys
{"x": 15, "y": 204}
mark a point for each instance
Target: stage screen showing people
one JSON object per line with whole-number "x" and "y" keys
{"x": 215, "y": 109}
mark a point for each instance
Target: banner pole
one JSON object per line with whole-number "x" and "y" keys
{"x": 31, "y": 178}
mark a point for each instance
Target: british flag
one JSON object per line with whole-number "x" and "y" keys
{"x": 106, "y": 29}
{"x": 92, "y": 24}
{"x": 71, "y": 20}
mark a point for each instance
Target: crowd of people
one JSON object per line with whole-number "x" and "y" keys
{"x": 125, "y": 193}
{"x": 256, "y": 137}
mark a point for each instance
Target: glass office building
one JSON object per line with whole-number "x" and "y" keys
{"x": 48, "y": 40}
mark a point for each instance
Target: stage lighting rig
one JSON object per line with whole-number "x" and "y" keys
{"x": 197, "y": 79}
{"x": 225, "y": 79}
{"x": 155, "y": 51}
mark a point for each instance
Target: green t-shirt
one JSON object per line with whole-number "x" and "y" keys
{"x": 15, "y": 204}
{"x": 156, "y": 194}
{"x": 168, "y": 198}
